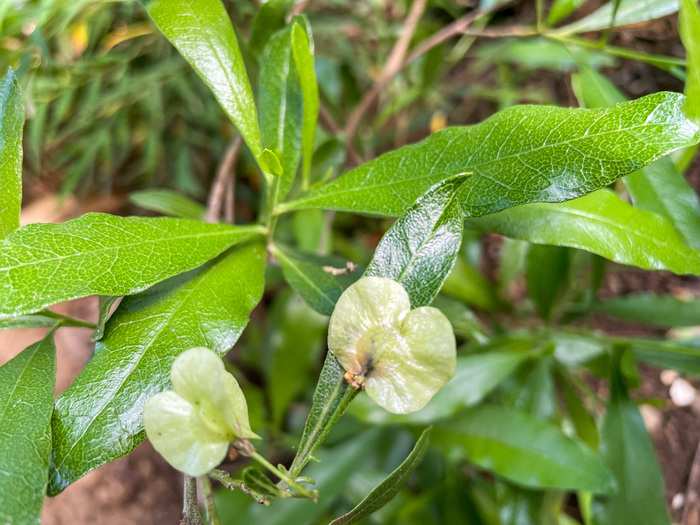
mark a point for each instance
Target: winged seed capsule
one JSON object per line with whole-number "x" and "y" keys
{"x": 401, "y": 357}
{"x": 193, "y": 425}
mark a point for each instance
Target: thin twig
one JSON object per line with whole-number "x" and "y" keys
{"x": 218, "y": 189}
{"x": 230, "y": 203}
{"x": 209, "y": 504}
{"x": 393, "y": 65}
{"x": 232, "y": 483}
{"x": 190, "y": 509}
{"x": 328, "y": 121}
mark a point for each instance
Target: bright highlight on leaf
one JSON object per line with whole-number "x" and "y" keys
{"x": 193, "y": 425}
{"x": 401, "y": 357}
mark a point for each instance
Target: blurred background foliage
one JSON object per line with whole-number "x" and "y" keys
{"x": 113, "y": 109}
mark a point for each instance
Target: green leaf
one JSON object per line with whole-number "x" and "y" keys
{"x": 583, "y": 421}
{"x": 269, "y": 19}
{"x": 270, "y": 163}
{"x": 297, "y": 335}
{"x": 202, "y": 33}
{"x": 601, "y": 223}
{"x": 281, "y": 106}
{"x": 331, "y": 398}
{"x": 466, "y": 284}
{"x": 304, "y": 59}
{"x": 627, "y": 450}
{"x": 523, "y": 154}
{"x": 317, "y": 287}
{"x": 168, "y": 202}
{"x": 689, "y": 30}
{"x": 464, "y": 322}
{"x": 27, "y": 385}
{"x": 657, "y": 310}
{"x": 105, "y": 303}
{"x": 629, "y": 12}
{"x": 387, "y": 489}
{"x": 11, "y": 125}
{"x": 681, "y": 355}
{"x": 420, "y": 249}
{"x": 523, "y": 449}
{"x": 546, "y": 269}
{"x": 98, "y": 420}
{"x": 657, "y": 188}
{"x": 44, "y": 264}
{"x": 561, "y": 9}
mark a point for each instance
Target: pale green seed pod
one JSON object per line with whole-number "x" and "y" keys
{"x": 401, "y": 357}
{"x": 193, "y": 425}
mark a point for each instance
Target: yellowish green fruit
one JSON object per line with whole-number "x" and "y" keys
{"x": 401, "y": 357}
{"x": 193, "y": 425}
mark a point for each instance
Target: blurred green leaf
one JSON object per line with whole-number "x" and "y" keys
{"x": 44, "y": 264}
{"x": 656, "y": 310}
{"x": 629, "y": 12}
{"x": 308, "y": 229}
{"x": 546, "y": 268}
{"x": 463, "y": 320}
{"x": 269, "y": 19}
{"x": 659, "y": 187}
{"x": 523, "y": 449}
{"x": 689, "y": 29}
{"x": 583, "y": 421}
{"x": 523, "y": 154}
{"x": 420, "y": 249}
{"x": 627, "y": 450}
{"x": 533, "y": 389}
{"x": 466, "y": 284}
{"x": 281, "y": 106}
{"x": 11, "y": 126}
{"x": 681, "y": 355}
{"x": 304, "y": 59}
{"x": 387, "y": 489}
{"x": 203, "y": 35}
{"x": 561, "y": 9}
{"x": 98, "y": 420}
{"x": 317, "y": 287}
{"x": 601, "y": 223}
{"x": 26, "y": 399}
{"x": 168, "y": 202}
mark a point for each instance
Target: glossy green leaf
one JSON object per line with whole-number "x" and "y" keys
{"x": 561, "y": 9}
{"x": 44, "y": 264}
{"x": 629, "y": 12}
{"x": 11, "y": 125}
{"x": 523, "y": 449}
{"x": 168, "y": 202}
{"x": 657, "y": 310}
{"x": 387, "y": 489}
{"x": 304, "y": 60}
{"x": 317, "y": 287}
{"x": 99, "y": 418}
{"x": 545, "y": 270}
{"x": 104, "y": 307}
{"x": 659, "y": 187}
{"x": 689, "y": 30}
{"x": 201, "y": 31}
{"x": 601, "y": 223}
{"x": 420, "y": 249}
{"x": 520, "y": 155}
{"x": 627, "y": 450}
{"x": 27, "y": 385}
{"x": 331, "y": 398}
{"x": 281, "y": 106}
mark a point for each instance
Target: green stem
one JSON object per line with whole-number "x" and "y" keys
{"x": 283, "y": 476}
{"x": 209, "y": 504}
{"x": 232, "y": 483}
{"x": 67, "y": 321}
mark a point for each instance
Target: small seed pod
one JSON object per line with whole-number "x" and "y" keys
{"x": 401, "y": 357}
{"x": 193, "y": 425}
